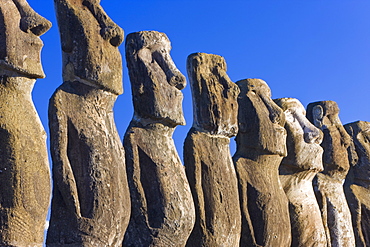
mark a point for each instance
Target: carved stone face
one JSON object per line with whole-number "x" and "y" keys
{"x": 324, "y": 115}
{"x": 261, "y": 121}
{"x": 303, "y": 140}
{"x": 215, "y": 103}
{"x": 156, "y": 83}
{"x": 90, "y": 48}
{"x": 360, "y": 132}
{"x": 20, "y": 44}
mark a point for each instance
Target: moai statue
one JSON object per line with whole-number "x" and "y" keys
{"x": 357, "y": 184}
{"x": 91, "y": 202}
{"x": 207, "y": 159}
{"x": 162, "y": 211}
{"x": 24, "y": 168}
{"x": 260, "y": 149}
{"x": 328, "y": 184}
{"x": 297, "y": 169}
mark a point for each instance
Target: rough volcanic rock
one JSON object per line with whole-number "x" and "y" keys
{"x": 20, "y": 45}
{"x": 328, "y": 184}
{"x": 297, "y": 169}
{"x": 91, "y": 203}
{"x": 162, "y": 205}
{"x": 24, "y": 167}
{"x": 357, "y": 184}
{"x": 207, "y": 159}
{"x": 260, "y": 149}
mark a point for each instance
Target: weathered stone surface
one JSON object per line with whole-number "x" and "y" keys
{"x": 297, "y": 169}
{"x": 24, "y": 167}
{"x": 260, "y": 149}
{"x": 91, "y": 204}
{"x": 357, "y": 184}
{"x": 89, "y": 39}
{"x": 162, "y": 205}
{"x": 20, "y": 45}
{"x": 207, "y": 159}
{"x": 328, "y": 184}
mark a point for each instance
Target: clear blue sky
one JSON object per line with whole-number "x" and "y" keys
{"x": 307, "y": 49}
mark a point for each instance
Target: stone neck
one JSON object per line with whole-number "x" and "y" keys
{"x": 17, "y": 83}
{"x": 152, "y": 125}
{"x": 99, "y": 97}
{"x": 258, "y": 156}
{"x": 220, "y": 134}
{"x": 307, "y": 175}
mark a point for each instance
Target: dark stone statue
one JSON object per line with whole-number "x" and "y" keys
{"x": 260, "y": 148}
{"x": 357, "y": 184}
{"x": 297, "y": 169}
{"x": 162, "y": 204}
{"x": 207, "y": 159}
{"x": 91, "y": 202}
{"x": 24, "y": 168}
{"x": 328, "y": 184}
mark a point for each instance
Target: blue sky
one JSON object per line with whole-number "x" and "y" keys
{"x": 307, "y": 49}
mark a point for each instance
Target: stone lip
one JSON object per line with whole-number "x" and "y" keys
{"x": 215, "y": 106}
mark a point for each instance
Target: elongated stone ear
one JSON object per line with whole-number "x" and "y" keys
{"x": 145, "y": 55}
{"x": 318, "y": 114}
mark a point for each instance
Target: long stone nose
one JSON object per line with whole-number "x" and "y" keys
{"x": 345, "y": 137}
{"x": 178, "y": 80}
{"x": 276, "y": 113}
{"x": 312, "y": 134}
{"x": 35, "y": 24}
{"x": 30, "y": 20}
{"x": 174, "y": 76}
{"x": 113, "y": 33}
{"x": 109, "y": 30}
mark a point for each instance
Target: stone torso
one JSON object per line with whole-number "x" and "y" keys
{"x": 297, "y": 169}
{"x": 211, "y": 174}
{"x": 328, "y": 184}
{"x": 260, "y": 149}
{"x": 24, "y": 168}
{"x": 96, "y": 159}
{"x": 357, "y": 184}
{"x": 162, "y": 206}
{"x": 265, "y": 205}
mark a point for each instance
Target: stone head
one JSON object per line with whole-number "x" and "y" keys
{"x": 325, "y": 116}
{"x": 90, "y": 41}
{"x": 303, "y": 138}
{"x": 360, "y": 132}
{"x": 215, "y": 103}
{"x": 261, "y": 121}
{"x": 20, "y": 43}
{"x": 156, "y": 82}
